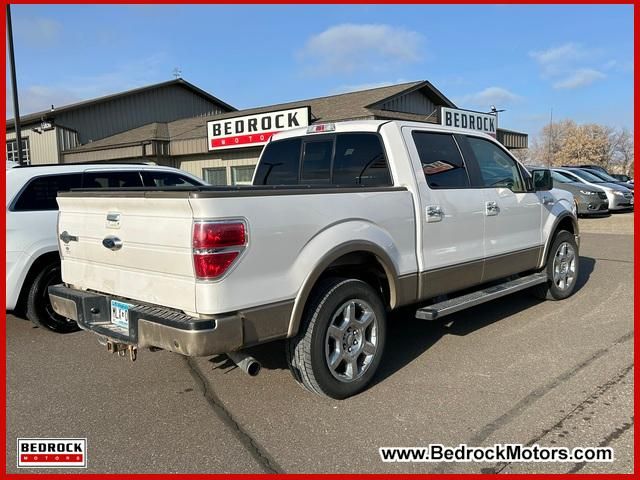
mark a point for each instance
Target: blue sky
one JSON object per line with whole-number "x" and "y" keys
{"x": 576, "y": 60}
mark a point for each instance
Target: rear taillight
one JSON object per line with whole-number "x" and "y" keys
{"x": 216, "y": 246}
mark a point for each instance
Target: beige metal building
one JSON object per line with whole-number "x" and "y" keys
{"x": 47, "y": 135}
{"x": 223, "y": 146}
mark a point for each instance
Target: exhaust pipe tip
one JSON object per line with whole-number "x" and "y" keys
{"x": 246, "y": 363}
{"x": 253, "y": 368}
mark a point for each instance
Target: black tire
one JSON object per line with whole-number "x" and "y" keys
{"x": 309, "y": 352}
{"x": 553, "y": 290}
{"x": 38, "y": 305}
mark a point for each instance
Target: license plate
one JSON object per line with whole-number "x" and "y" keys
{"x": 120, "y": 314}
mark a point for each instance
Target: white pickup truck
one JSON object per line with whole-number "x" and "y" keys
{"x": 344, "y": 223}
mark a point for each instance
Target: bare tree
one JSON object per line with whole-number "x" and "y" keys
{"x": 622, "y": 154}
{"x": 567, "y": 143}
{"x": 522, "y": 154}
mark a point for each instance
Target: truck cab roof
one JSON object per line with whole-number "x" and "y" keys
{"x": 371, "y": 126}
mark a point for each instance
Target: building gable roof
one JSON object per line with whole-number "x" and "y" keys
{"x": 344, "y": 106}
{"x": 38, "y": 116}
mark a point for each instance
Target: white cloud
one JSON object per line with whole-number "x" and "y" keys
{"x": 562, "y": 54}
{"x": 38, "y": 32}
{"x": 347, "y": 48}
{"x": 567, "y": 66}
{"x": 497, "y": 96}
{"x": 580, "y": 78}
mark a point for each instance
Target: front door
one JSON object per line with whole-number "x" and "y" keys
{"x": 451, "y": 225}
{"x": 513, "y": 213}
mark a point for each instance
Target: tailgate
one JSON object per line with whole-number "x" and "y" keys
{"x": 154, "y": 263}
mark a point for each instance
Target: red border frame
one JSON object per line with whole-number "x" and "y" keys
{"x": 636, "y": 288}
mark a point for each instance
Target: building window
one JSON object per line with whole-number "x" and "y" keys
{"x": 12, "y": 151}
{"x": 242, "y": 175}
{"x": 215, "y": 176}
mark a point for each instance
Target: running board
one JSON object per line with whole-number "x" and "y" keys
{"x": 453, "y": 305}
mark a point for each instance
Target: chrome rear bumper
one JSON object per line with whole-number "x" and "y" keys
{"x": 149, "y": 326}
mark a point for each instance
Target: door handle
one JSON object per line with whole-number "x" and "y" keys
{"x": 491, "y": 209}
{"x": 434, "y": 214}
{"x": 66, "y": 237}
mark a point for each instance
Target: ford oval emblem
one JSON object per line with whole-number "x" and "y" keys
{"x": 112, "y": 243}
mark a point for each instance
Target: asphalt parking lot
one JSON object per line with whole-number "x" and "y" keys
{"x": 516, "y": 370}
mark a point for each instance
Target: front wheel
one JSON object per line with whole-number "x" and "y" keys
{"x": 562, "y": 268}
{"x": 341, "y": 339}
{"x": 39, "y": 308}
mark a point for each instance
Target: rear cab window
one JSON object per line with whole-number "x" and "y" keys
{"x": 342, "y": 159}
{"x": 360, "y": 160}
{"x": 316, "y": 161}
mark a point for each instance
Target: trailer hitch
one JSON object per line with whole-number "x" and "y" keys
{"x": 122, "y": 349}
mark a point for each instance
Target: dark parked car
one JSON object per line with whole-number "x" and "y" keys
{"x": 608, "y": 178}
{"x": 623, "y": 178}
{"x": 591, "y": 167}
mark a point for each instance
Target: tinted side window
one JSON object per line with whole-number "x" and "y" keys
{"x": 41, "y": 192}
{"x": 112, "y": 179}
{"x": 166, "y": 179}
{"x": 441, "y": 160}
{"x": 360, "y": 160}
{"x": 496, "y": 167}
{"x": 280, "y": 163}
{"x": 316, "y": 161}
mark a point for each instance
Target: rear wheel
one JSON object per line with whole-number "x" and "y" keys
{"x": 39, "y": 309}
{"x": 562, "y": 268}
{"x": 341, "y": 339}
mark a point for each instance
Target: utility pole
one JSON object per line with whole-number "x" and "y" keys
{"x": 14, "y": 86}
{"x": 549, "y": 159}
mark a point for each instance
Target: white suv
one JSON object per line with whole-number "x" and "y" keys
{"x": 32, "y": 248}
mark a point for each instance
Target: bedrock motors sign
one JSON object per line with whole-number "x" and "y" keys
{"x": 52, "y": 452}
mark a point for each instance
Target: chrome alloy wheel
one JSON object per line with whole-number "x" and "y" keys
{"x": 564, "y": 266}
{"x": 351, "y": 341}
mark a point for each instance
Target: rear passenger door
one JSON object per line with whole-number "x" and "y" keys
{"x": 513, "y": 212}
{"x": 451, "y": 214}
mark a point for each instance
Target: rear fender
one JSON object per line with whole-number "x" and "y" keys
{"x": 322, "y": 250}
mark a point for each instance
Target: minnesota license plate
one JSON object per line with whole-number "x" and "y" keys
{"x": 120, "y": 314}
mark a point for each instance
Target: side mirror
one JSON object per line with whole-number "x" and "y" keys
{"x": 542, "y": 180}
